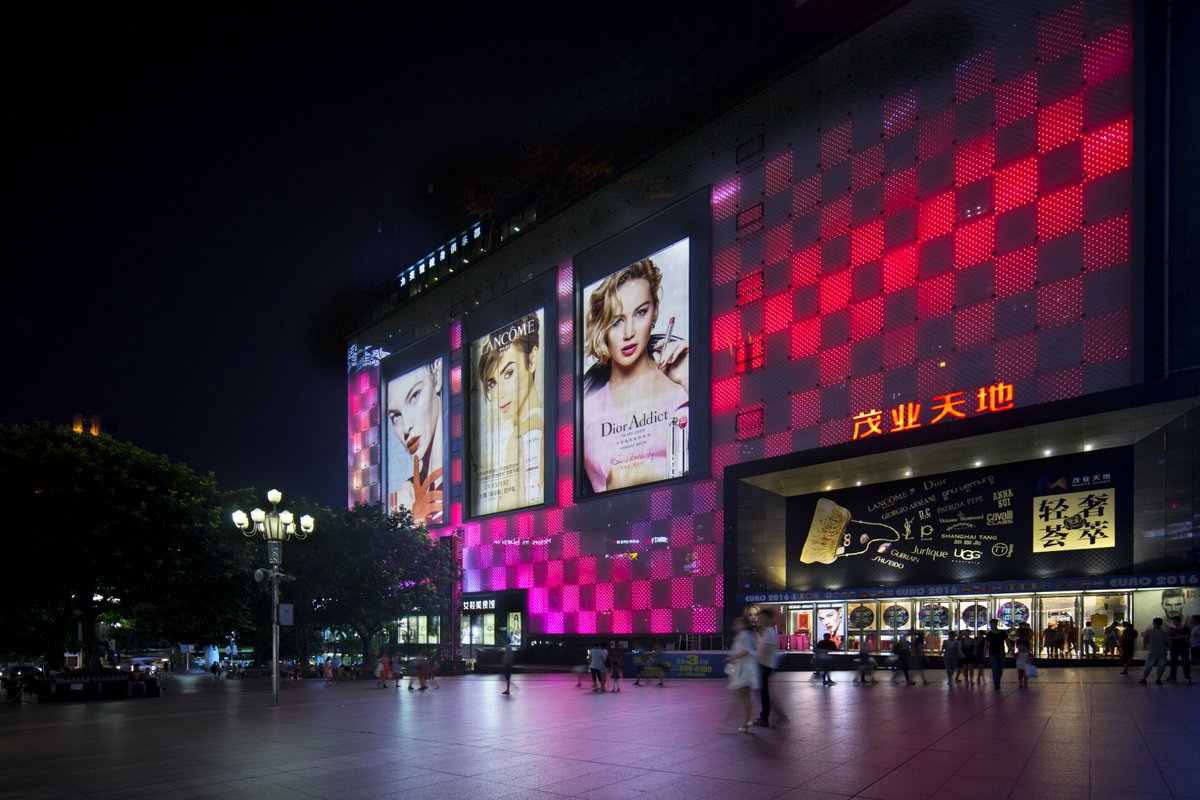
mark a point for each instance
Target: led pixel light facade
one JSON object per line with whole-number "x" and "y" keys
{"x": 945, "y": 219}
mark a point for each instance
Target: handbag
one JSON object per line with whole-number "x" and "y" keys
{"x": 1031, "y": 670}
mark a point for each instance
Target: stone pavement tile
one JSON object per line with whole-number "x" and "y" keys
{"x": 586, "y": 782}
{"x": 846, "y": 779}
{"x": 1049, "y": 770}
{"x": 942, "y": 762}
{"x": 811, "y": 794}
{"x": 1184, "y": 782}
{"x": 962, "y": 743}
{"x": 992, "y": 765}
{"x": 959, "y": 787}
{"x": 749, "y": 791}
{"x": 1029, "y": 790}
{"x": 1112, "y": 778}
{"x": 905, "y": 785}
{"x": 892, "y": 755}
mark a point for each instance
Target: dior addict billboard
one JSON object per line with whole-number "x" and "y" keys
{"x": 1054, "y": 516}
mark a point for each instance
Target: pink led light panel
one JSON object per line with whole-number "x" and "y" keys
{"x": 933, "y": 233}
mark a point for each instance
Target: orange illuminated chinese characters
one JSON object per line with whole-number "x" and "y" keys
{"x": 906, "y": 416}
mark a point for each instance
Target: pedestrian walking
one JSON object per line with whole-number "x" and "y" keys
{"x": 966, "y": 658}
{"x": 768, "y": 661}
{"x": 997, "y": 644}
{"x": 866, "y": 664}
{"x": 1179, "y": 636}
{"x": 918, "y": 656}
{"x": 508, "y": 667}
{"x": 327, "y": 671}
{"x": 383, "y": 670}
{"x": 1023, "y": 659}
{"x": 596, "y": 663}
{"x": 614, "y": 672}
{"x": 742, "y": 669}
{"x": 1111, "y": 639}
{"x": 1127, "y": 643}
{"x": 215, "y": 669}
{"x": 981, "y": 655}
{"x": 901, "y": 651}
{"x": 397, "y": 671}
{"x": 433, "y": 666}
{"x": 825, "y": 649}
{"x": 1157, "y": 642}
{"x": 951, "y": 656}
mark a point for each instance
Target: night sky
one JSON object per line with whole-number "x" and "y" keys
{"x": 187, "y": 191}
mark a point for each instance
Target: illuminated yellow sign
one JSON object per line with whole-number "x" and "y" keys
{"x": 1074, "y": 521}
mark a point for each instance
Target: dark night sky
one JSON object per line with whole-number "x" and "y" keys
{"x": 187, "y": 193}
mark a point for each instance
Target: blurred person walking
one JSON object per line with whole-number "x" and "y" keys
{"x": 596, "y": 658}
{"x": 951, "y": 657}
{"x": 997, "y": 645}
{"x": 768, "y": 661}
{"x": 742, "y": 669}
{"x": 1127, "y": 643}
{"x": 1180, "y": 641}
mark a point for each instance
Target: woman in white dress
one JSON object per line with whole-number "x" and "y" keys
{"x": 742, "y": 668}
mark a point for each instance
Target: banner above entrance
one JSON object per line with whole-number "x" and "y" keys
{"x": 1157, "y": 580}
{"x": 1055, "y": 516}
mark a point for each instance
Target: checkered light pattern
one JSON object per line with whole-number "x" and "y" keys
{"x": 962, "y": 231}
{"x": 364, "y": 449}
{"x": 966, "y": 227}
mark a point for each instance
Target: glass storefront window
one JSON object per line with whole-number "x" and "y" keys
{"x": 895, "y": 621}
{"x": 1058, "y": 629}
{"x": 862, "y": 620}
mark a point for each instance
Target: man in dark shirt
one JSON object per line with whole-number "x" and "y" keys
{"x": 1179, "y": 636}
{"x": 997, "y": 643}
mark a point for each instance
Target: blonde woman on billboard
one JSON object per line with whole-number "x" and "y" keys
{"x": 514, "y": 419}
{"x": 636, "y": 394}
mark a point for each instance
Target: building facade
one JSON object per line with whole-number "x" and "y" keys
{"x": 901, "y": 342}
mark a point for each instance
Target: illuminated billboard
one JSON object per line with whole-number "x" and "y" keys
{"x": 1056, "y": 516}
{"x": 507, "y": 416}
{"x": 643, "y": 353}
{"x": 414, "y": 432}
{"x": 636, "y": 372}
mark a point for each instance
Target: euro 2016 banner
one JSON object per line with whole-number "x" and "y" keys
{"x": 1068, "y": 515}
{"x": 636, "y": 382}
{"x": 507, "y": 419}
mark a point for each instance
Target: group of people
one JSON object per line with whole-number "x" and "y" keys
{"x": 1174, "y": 645}
{"x": 606, "y": 670}
{"x": 421, "y": 670}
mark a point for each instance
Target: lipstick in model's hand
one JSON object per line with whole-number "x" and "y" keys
{"x": 666, "y": 340}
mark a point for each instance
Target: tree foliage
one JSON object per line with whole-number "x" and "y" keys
{"x": 104, "y": 527}
{"x": 362, "y": 569}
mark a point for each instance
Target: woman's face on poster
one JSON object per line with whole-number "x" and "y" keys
{"x": 831, "y": 619}
{"x": 414, "y": 410}
{"x": 628, "y": 337}
{"x": 512, "y": 384}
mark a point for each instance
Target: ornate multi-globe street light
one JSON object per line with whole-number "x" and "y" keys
{"x": 275, "y": 526}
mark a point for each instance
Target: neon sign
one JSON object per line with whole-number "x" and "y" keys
{"x": 906, "y": 416}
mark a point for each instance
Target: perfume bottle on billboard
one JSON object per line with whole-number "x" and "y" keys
{"x": 679, "y": 448}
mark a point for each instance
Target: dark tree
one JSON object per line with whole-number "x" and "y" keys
{"x": 100, "y": 526}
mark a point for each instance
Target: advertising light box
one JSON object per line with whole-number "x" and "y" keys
{"x": 507, "y": 416}
{"x": 636, "y": 377}
{"x": 415, "y": 441}
{"x": 1069, "y": 514}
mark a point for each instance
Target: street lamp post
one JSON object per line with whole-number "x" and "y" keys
{"x": 275, "y": 526}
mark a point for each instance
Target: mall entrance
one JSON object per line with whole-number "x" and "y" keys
{"x": 1065, "y": 624}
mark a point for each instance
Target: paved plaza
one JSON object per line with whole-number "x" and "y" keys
{"x": 1076, "y": 733}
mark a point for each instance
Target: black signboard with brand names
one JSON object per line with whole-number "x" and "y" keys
{"x": 1064, "y": 515}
